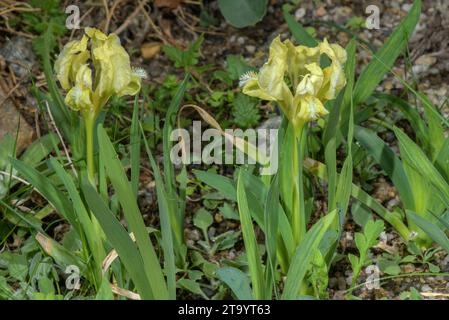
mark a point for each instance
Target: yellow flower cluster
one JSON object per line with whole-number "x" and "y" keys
{"x": 292, "y": 76}
{"x": 113, "y": 74}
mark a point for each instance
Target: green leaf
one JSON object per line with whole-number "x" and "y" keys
{"x": 203, "y": 219}
{"x": 271, "y": 221}
{"x": 372, "y": 230}
{"x": 132, "y": 214}
{"x": 60, "y": 254}
{"x": 431, "y": 229}
{"x": 191, "y": 286}
{"x": 50, "y": 192}
{"x": 94, "y": 239}
{"x": 121, "y": 241}
{"x": 249, "y": 238}
{"x": 243, "y": 13}
{"x": 135, "y": 147}
{"x": 245, "y": 111}
{"x": 303, "y": 256}
{"x": 223, "y": 184}
{"x": 237, "y": 281}
{"x": 184, "y": 58}
{"x": 236, "y": 66}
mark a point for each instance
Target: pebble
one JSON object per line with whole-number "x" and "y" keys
{"x": 426, "y": 288}
{"x": 193, "y": 235}
{"x": 406, "y": 7}
{"x": 341, "y": 283}
{"x": 300, "y": 13}
{"x": 408, "y": 268}
{"x": 423, "y": 63}
{"x": 250, "y": 48}
{"x": 19, "y": 49}
{"x": 321, "y": 11}
{"x": 241, "y": 40}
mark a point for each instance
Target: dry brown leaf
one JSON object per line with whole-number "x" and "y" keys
{"x": 172, "y": 4}
{"x": 150, "y": 50}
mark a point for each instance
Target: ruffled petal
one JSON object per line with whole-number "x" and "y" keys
{"x": 79, "y": 96}
{"x": 309, "y": 108}
{"x": 312, "y": 82}
{"x": 334, "y": 76}
{"x": 71, "y": 57}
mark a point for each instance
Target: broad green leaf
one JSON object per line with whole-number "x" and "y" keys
{"x": 237, "y": 281}
{"x": 223, "y": 184}
{"x": 243, "y": 13}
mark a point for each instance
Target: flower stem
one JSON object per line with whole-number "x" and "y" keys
{"x": 298, "y": 207}
{"x": 89, "y": 122}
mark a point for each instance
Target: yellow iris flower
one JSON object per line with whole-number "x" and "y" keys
{"x": 292, "y": 76}
{"x": 113, "y": 72}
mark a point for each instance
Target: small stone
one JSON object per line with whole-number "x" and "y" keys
{"x": 321, "y": 11}
{"x": 300, "y": 13}
{"x": 19, "y": 54}
{"x": 250, "y": 48}
{"x": 408, "y": 268}
{"x": 241, "y": 40}
{"x": 211, "y": 232}
{"x": 406, "y": 7}
{"x": 218, "y": 217}
{"x": 426, "y": 288}
{"x": 333, "y": 282}
{"x": 341, "y": 282}
{"x": 193, "y": 235}
{"x": 423, "y": 63}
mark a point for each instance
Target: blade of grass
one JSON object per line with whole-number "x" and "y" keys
{"x": 164, "y": 214}
{"x": 120, "y": 240}
{"x": 249, "y": 238}
{"x": 135, "y": 147}
{"x": 122, "y": 187}
{"x": 303, "y": 256}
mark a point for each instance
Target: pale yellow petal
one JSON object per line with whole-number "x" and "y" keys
{"x": 309, "y": 109}
{"x": 71, "y": 57}
{"x": 311, "y": 83}
{"x": 79, "y": 96}
{"x": 334, "y": 76}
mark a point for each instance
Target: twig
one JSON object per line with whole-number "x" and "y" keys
{"x": 153, "y": 25}
{"x": 131, "y": 17}
{"x": 4, "y": 173}
{"x": 110, "y": 14}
